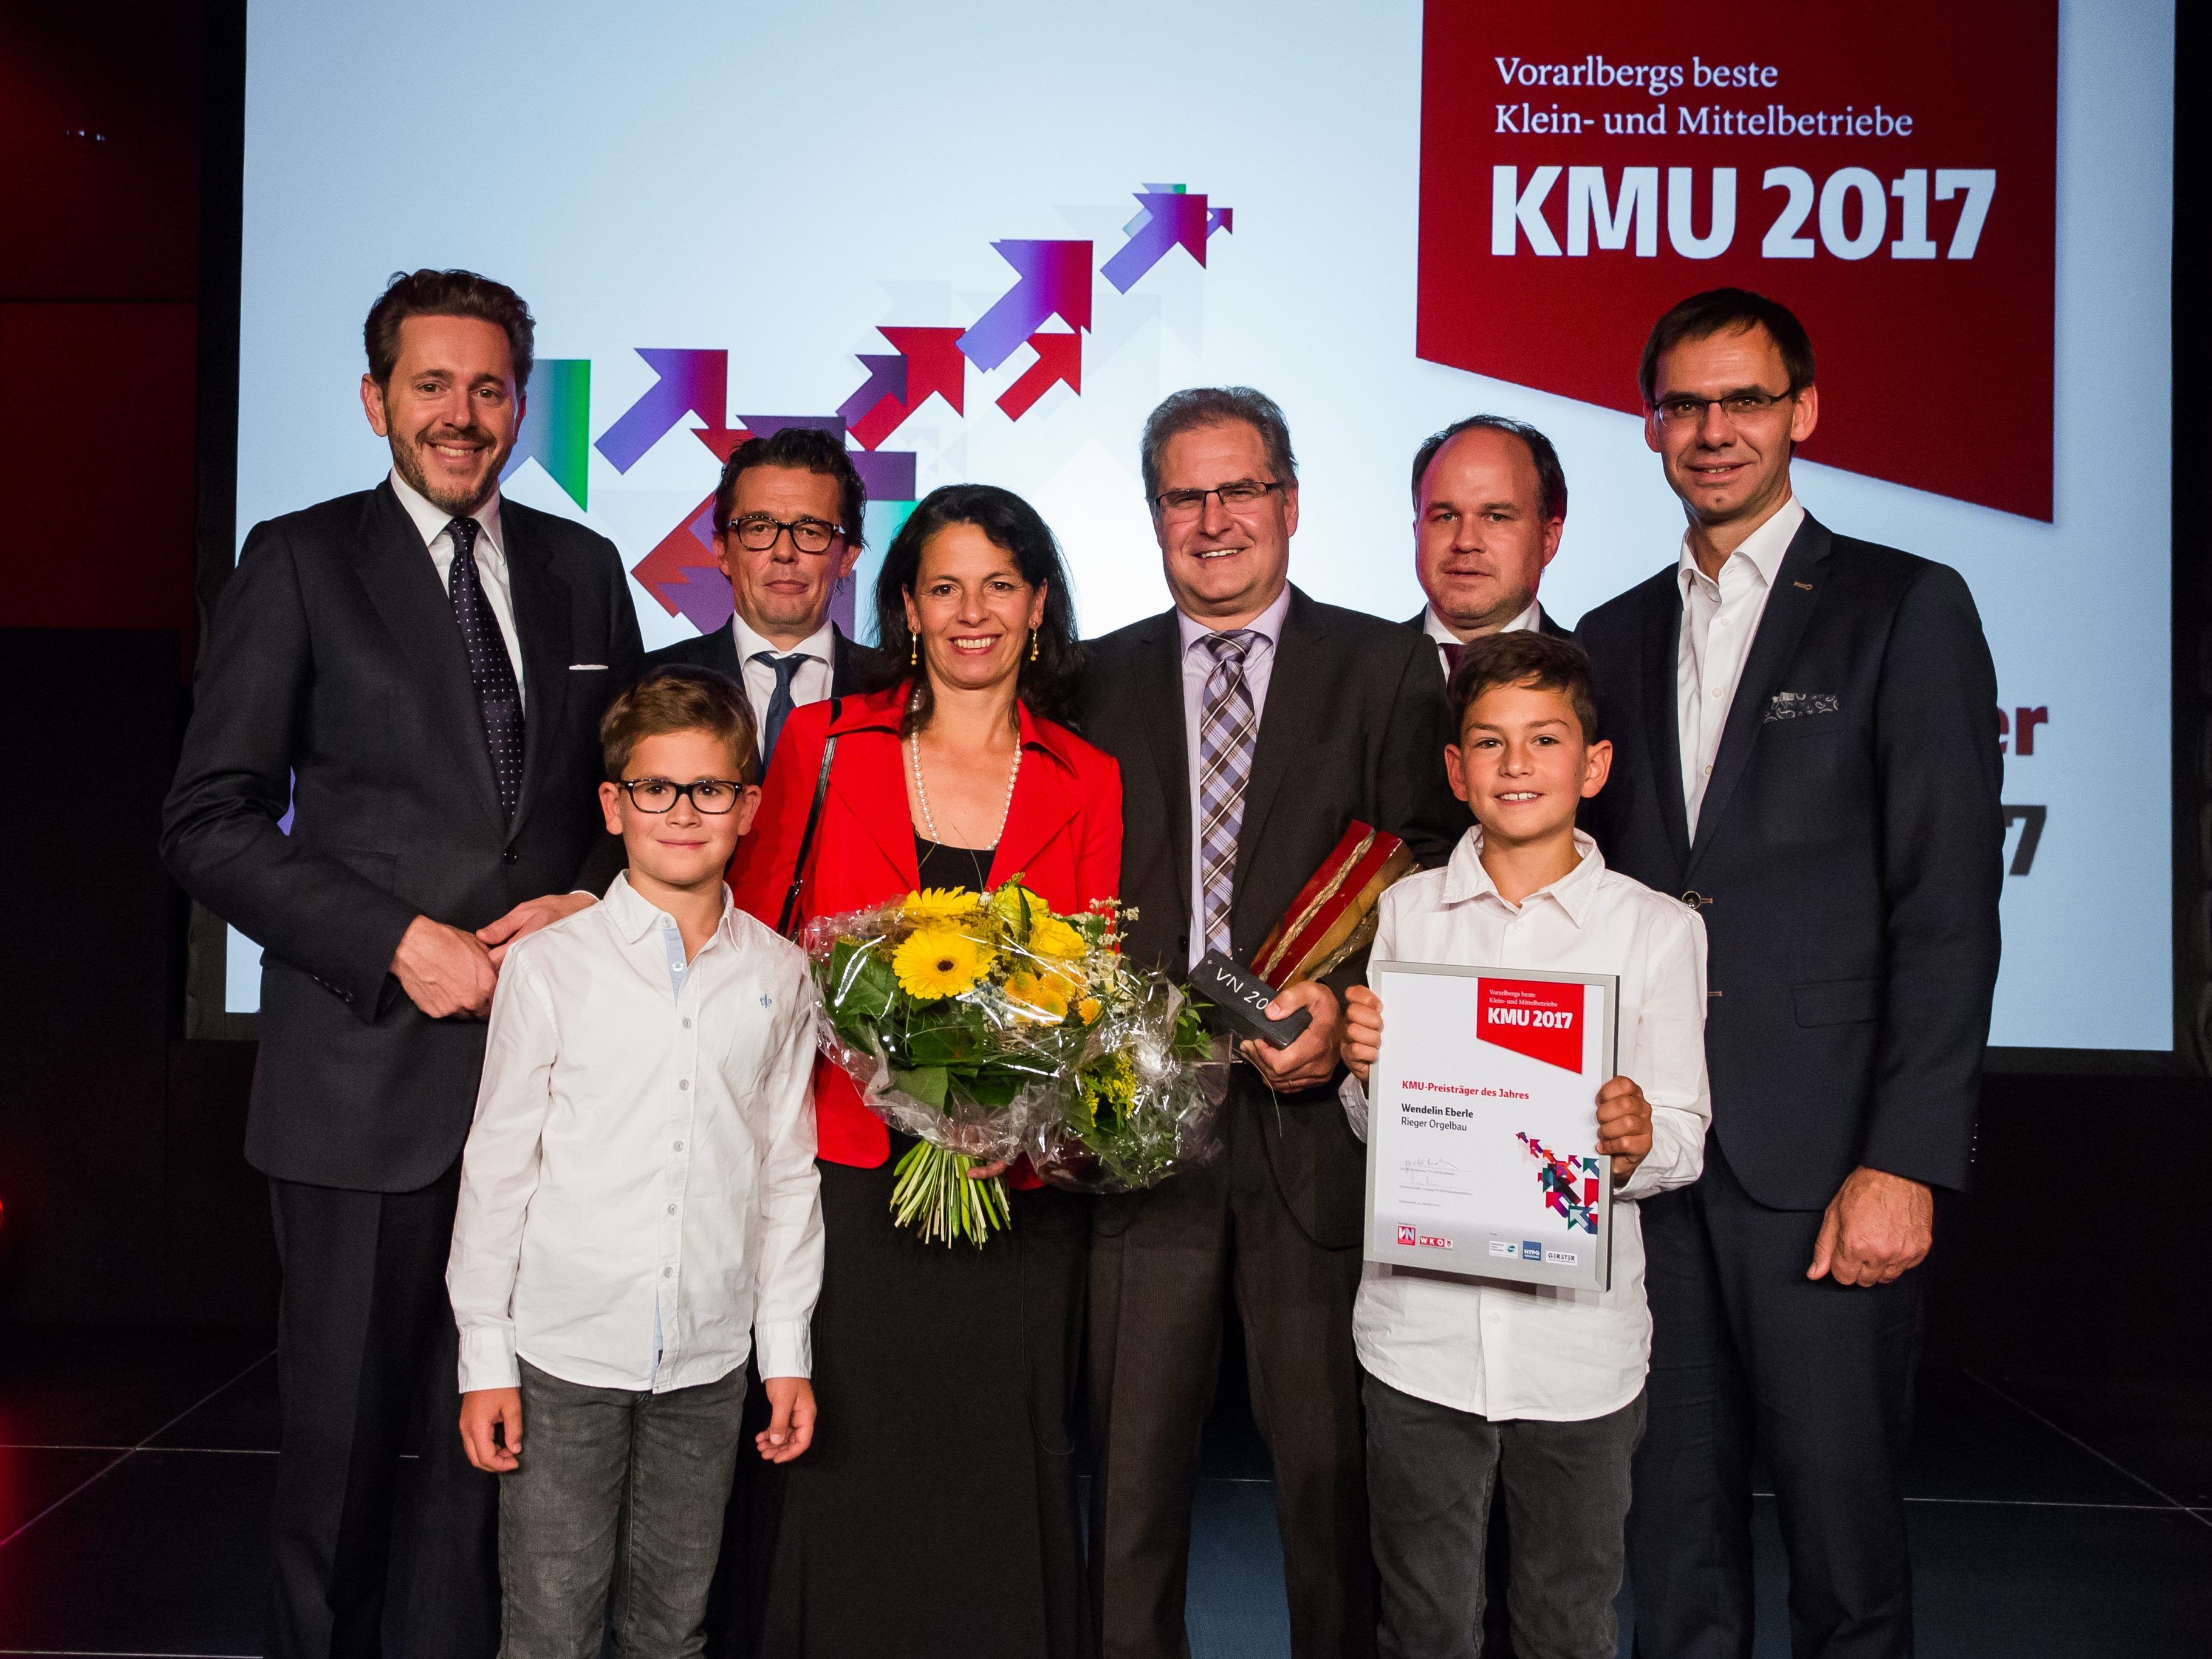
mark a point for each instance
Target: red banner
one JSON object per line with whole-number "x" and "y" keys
{"x": 1887, "y": 170}
{"x": 1542, "y": 1018}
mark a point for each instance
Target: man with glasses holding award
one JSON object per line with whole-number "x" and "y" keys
{"x": 1254, "y": 729}
{"x": 1805, "y": 747}
{"x": 788, "y": 533}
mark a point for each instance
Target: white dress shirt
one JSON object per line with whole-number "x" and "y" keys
{"x": 638, "y": 1194}
{"x": 809, "y": 684}
{"x": 491, "y": 561}
{"x": 1198, "y": 665}
{"x": 1504, "y": 1350}
{"x": 1720, "y": 619}
{"x": 1433, "y": 626}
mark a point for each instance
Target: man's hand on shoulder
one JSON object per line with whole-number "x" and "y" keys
{"x": 445, "y": 971}
{"x": 1311, "y": 1061}
{"x": 1878, "y": 1226}
{"x": 526, "y": 918}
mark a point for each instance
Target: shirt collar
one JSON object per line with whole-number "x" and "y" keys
{"x": 1465, "y": 879}
{"x": 1268, "y": 624}
{"x": 821, "y": 644}
{"x": 1762, "y": 549}
{"x": 1433, "y": 625}
{"x": 431, "y": 520}
{"x": 634, "y": 916}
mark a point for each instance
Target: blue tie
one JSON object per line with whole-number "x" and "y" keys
{"x": 491, "y": 674}
{"x": 780, "y": 704}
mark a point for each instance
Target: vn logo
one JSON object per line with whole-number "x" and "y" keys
{"x": 1541, "y": 1018}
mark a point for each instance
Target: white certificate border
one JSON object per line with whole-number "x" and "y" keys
{"x": 1598, "y": 1276}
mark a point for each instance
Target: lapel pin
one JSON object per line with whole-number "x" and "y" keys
{"x": 1808, "y": 587}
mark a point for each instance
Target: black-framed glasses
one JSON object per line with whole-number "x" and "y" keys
{"x": 713, "y": 796}
{"x": 1189, "y": 503}
{"x": 756, "y": 533}
{"x": 1683, "y": 410}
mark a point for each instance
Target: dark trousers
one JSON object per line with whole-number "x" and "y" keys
{"x": 1748, "y": 1352}
{"x": 616, "y": 1507}
{"x": 365, "y": 1337}
{"x": 1161, "y": 1263}
{"x": 1430, "y": 1472}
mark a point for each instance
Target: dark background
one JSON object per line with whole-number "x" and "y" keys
{"x": 126, "y": 1196}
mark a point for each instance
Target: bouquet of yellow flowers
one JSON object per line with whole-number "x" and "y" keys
{"x": 989, "y": 1025}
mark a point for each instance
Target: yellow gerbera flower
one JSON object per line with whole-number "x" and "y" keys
{"x": 935, "y": 962}
{"x": 1043, "y": 997}
{"x": 1051, "y": 937}
{"x": 938, "y": 904}
{"x": 1087, "y": 1010}
{"x": 1012, "y": 900}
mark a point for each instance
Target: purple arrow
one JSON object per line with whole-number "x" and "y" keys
{"x": 1221, "y": 219}
{"x": 1054, "y": 280}
{"x": 767, "y": 426}
{"x": 889, "y": 474}
{"x": 1170, "y": 216}
{"x": 690, "y": 383}
{"x": 703, "y": 597}
{"x": 886, "y": 378}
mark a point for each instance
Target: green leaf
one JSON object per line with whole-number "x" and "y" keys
{"x": 924, "y": 1083}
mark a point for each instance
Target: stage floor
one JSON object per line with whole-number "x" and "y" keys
{"x": 2049, "y": 1517}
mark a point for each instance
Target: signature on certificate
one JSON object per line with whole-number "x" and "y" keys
{"x": 1432, "y": 1175}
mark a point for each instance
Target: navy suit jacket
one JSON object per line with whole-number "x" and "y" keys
{"x": 333, "y": 682}
{"x": 1847, "y": 859}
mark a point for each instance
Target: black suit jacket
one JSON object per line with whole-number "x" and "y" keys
{"x": 1420, "y": 620}
{"x": 1847, "y": 861}
{"x": 333, "y": 680}
{"x": 850, "y": 663}
{"x": 1354, "y": 728}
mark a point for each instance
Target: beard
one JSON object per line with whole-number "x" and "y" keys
{"x": 456, "y": 501}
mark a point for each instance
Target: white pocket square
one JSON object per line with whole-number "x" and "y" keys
{"x": 587, "y": 667}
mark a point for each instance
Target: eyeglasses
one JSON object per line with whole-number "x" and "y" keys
{"x": 1189, "y": 503}
{"x": 758, "y": 534}
{"x": 713, "y": 796}
{"x": 1686, "y": 411}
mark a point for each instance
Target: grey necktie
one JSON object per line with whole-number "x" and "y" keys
{"x": 1228, "y": 726}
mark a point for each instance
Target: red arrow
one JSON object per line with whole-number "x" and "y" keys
{"x": 933, "y": 364}
{"x": 723, "y": 441}
{"x": 1058, "y": 357}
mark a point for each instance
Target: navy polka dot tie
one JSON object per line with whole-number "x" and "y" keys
{"x": 499, "y": 699}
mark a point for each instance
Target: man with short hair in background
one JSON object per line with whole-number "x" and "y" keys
{"x": 787, "y": 533}
{"x": 414, "y": 674}
{"x": 1490, "y": 503}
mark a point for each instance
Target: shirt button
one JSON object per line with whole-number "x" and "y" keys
{"x": 687, "y": 1025}
{"x": 671, "y": 1209}
{"x": 668, "y": 1273}
{"x": 686, "y": 1082}
{"x": 679, "y": 1146}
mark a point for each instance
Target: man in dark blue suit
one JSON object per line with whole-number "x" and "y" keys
{"x": 1805, "y": 746}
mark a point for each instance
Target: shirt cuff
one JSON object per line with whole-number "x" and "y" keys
{"x": 1353, "y": 1094}
{"x": 783, "y": 1347}
{"x": 487, "y": 1358}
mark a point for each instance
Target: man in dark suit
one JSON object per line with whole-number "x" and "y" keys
{"x": 1490, "y": 502}
{"x": 417, "y": 673}
{"x": 787, "y": 530}
{"x": 1252, "y": 725}
{"x": 1805, "y": 746}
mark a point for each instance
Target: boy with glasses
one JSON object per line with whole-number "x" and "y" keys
{"x": 639, "y": 1205}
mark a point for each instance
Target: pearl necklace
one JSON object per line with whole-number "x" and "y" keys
{"x": 921, "y": 791}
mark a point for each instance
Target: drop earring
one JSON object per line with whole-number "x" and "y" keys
{"x": 1033, "y": 649}
{"x": 913, "y": 652}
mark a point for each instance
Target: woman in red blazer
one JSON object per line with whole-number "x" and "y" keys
{"x": 935, "y": 1511}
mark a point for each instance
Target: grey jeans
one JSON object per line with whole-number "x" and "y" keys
{"x": 620, "y": 1493}
{"x": 1430, "y": 1471}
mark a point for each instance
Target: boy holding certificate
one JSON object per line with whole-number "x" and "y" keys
{"x": 1471, "y": 1382}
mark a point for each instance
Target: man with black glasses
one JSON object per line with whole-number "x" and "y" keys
{"x": 1805, "y": 747}
{"x": 787, "y": 533}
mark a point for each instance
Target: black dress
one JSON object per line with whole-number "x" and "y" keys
{"x": 935, "y": 1512}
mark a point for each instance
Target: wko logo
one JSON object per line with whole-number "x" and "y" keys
{"x": 1538, "y": 1018}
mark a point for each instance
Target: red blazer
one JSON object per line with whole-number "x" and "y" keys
{"x": 1063, "y": 837}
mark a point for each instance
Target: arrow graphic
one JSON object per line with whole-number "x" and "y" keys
{"x": 1170, "y": 217}
{"x": 928, "y": 360}
{"x": 681, "y": 573}
{"x": 557, "y": 427}
{"x": 884, "y": 389}
{"x": 1054, "y": 280}
{"x": 690, "y": 383}
{"x": 1058, "y": 357}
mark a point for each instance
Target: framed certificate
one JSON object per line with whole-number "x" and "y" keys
{"x": 1482, "y": 1156}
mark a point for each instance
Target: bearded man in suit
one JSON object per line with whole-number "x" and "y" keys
{"x": 1252, "y": 726}
{"x": 1490, "y": 502}
{"x": 414, "y": 676}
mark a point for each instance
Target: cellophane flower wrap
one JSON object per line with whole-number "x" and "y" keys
{"x": 990, "y": 1026}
